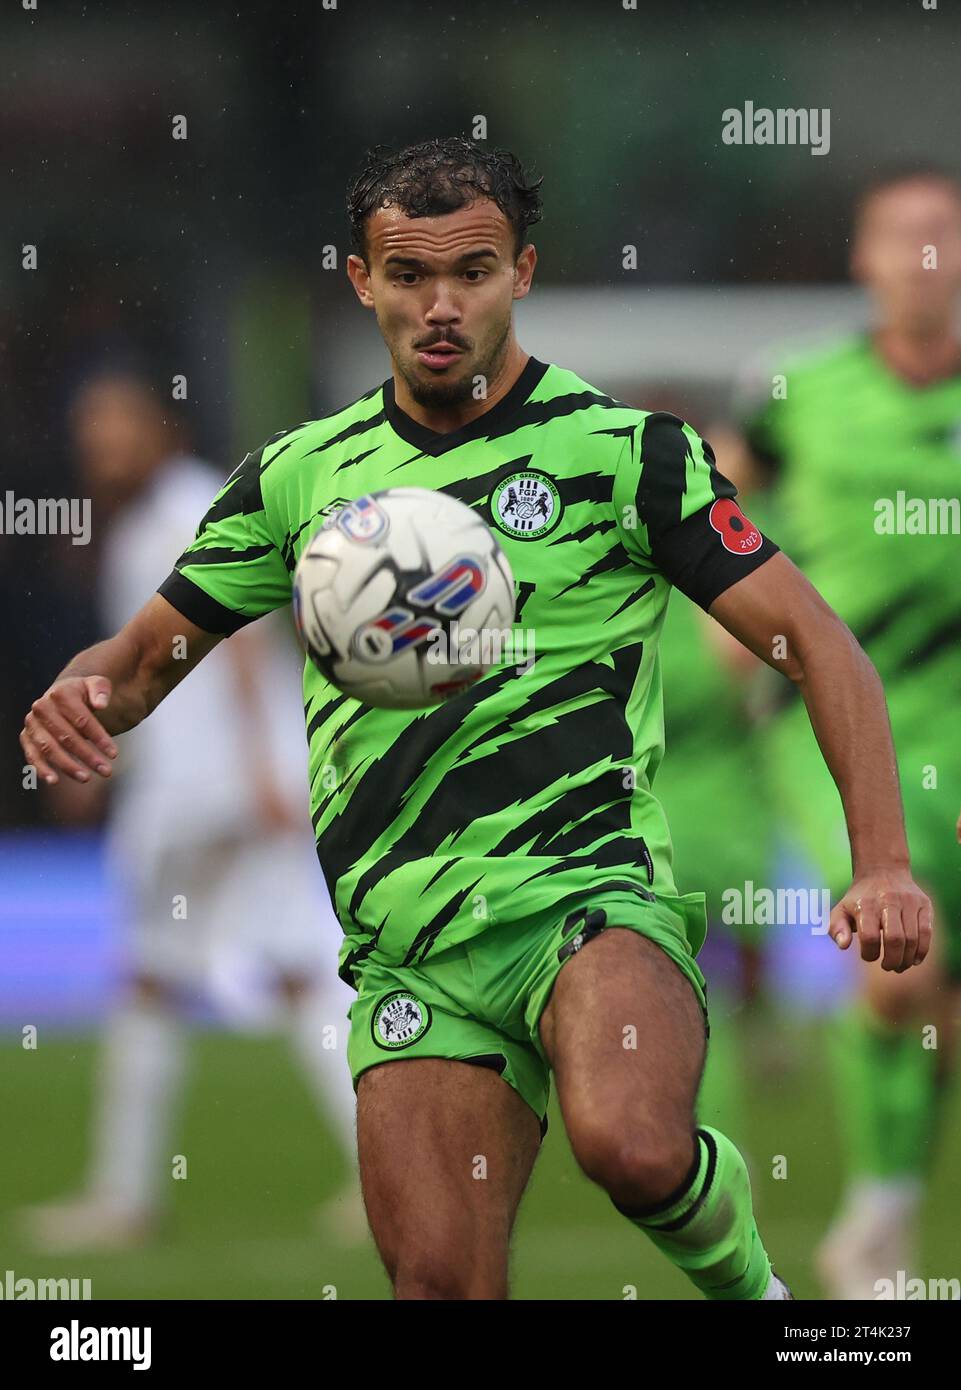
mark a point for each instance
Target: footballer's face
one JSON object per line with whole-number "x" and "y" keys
{"x": 442, "y": 289}
{"x": 907, "y": 252}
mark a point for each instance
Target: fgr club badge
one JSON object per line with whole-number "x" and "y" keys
{"x": 399, "y": 1020}
{"x": 526, "y": 505}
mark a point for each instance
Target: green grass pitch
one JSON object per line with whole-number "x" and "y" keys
{"x": 242, "y": 1225}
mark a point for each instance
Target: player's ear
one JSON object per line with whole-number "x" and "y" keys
{"x": 359, "y": 277}
{"x": 524, "y": 270}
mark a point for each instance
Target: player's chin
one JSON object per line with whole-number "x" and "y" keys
{"x": 443, "y": 386}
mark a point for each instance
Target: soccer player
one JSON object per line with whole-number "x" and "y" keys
{"x": 864, "y": 440}
{"x": 500, "y": 864}
{"x": 208, "y": 808}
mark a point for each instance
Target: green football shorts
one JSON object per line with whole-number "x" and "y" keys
{"x": 480, "y": 1000}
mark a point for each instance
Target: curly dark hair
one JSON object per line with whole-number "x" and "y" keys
{"x": 439, "y": 176}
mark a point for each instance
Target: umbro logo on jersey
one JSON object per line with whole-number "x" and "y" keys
{"x": 526, "y": 505}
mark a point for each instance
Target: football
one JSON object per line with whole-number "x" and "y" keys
{"x": 404, "y": 598}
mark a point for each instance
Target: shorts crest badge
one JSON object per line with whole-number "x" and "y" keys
{"x": 399, "y": 1020}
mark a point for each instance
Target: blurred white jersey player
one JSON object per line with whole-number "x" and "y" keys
{"x": 210, "y": 845}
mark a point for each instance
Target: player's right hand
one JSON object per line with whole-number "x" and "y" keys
{"x": 61, "y": 733}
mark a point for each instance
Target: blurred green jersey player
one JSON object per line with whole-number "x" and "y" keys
{"x": 866, "y": 448}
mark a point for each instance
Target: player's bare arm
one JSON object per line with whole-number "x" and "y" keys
{"x": 123, "y": 679}
{"x": 845, "y": 702}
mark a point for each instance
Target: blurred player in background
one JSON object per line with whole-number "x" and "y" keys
{"x": 875, "y": 417}
{"x": 210, "y": 843}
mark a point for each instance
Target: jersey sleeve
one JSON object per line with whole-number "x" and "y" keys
{"x": 676, "y": 512}
{"x": 233, "y": 571}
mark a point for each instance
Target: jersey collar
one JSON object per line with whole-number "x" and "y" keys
{"x": 440, "y": 441}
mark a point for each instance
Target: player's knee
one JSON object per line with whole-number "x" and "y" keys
{"x": 635, "y": 1168}
{"x": 435, "y": 1275}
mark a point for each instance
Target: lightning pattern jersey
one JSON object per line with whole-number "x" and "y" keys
{"x": 868, "y": 490}
{"x": 534, "y": 786}
{"x": 855, "y": 449}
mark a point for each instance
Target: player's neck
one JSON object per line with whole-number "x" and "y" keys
{"x": 444, "y": 420}
{"x": 919, "y": 357}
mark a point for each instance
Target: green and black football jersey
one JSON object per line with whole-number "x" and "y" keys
{"x": 868, "y": 469}
{"x": 533, "y": 787}
{"x": 867, "y": 487}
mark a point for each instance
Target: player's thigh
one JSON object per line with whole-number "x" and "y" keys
{"x": 446, "y": 1149}
{"x": 624, "y": 1032}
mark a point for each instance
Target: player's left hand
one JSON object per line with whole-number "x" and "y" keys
{"x": 890, "y": 913}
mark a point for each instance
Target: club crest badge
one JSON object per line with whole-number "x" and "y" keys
{"x": 399, "y": 1020}
{"x": 526, "y": 505}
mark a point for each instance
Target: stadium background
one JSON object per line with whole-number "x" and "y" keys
{"x": 205, "y": 257}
